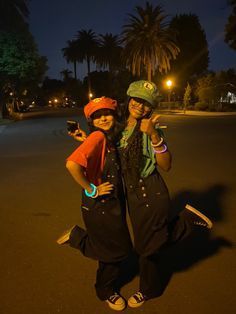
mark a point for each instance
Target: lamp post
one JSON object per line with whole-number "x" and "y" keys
{"x": 169, "y": 85}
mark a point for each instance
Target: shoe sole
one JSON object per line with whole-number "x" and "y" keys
{"x": 116, "y": 307}
{"x": 198, "y": 213}
{"x": 66, "y": 236}
{"x": 63, "y": 239}
{"x": 135, "y": 305}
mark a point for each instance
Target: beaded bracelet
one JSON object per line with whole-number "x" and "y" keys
{"x": 161, "y": 151}
{"x": 159, "y": 143}
{"x": 94, "y": 192}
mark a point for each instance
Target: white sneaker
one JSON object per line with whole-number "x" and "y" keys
{"x": 64, "y": 238}
{"x": 116, "y": 302}
{"x": 198, "y": 218}
{"x": 136, "y": 300}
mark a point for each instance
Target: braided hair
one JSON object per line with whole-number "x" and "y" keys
{"x": 132, "y": 160}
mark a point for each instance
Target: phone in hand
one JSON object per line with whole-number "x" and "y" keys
{"x": 72, "y": 126}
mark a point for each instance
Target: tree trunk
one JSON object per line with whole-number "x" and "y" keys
{"x": 89, "y": 80}
{"x": 75, "y": 70}
{"x": 149, "y": 71}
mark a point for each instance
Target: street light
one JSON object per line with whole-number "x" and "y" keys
{"x": 169, "y": 84}
{"x": 90, "y": 96}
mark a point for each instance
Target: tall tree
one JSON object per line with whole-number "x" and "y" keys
{"x": 71, "y": 54}
{"x": 109, "y": 52}
{"x": 148, "y": 42}
{"x": 187, "y": 96}
{"x": 19, "y": 58}
{"x": 88, "y": 44}
{"x": 193, "y": 58}
{"x": 230, "y": 27}
{"x": 13, "y": 14}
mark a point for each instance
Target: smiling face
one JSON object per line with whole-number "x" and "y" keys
{"x": 103, "y": 119}
{"x": 139, "y": 108}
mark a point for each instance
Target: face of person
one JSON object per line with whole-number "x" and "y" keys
{"x": 103, "y": 119}
{"x": 139, "y": 108}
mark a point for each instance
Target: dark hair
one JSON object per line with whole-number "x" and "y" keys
{"x": 132, "y": 160}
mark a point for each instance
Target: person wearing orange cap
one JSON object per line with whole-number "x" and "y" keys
{"x": 143, "y": 151}
{"x": 95, "y": 167}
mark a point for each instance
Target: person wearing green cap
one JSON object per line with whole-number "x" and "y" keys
{"x": 143, "y": 150}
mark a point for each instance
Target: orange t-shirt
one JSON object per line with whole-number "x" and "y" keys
{"x": 91, "y": 155}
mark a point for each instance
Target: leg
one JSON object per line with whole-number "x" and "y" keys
{"x": 150, "y": 282}
{"x": 107, "y": 274}
{"x": 105, "y": 285}
{"x": 188, "y": 220}
{"x": 78, "y": 238}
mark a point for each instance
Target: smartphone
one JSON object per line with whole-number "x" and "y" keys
{"x": 72, "y": 126}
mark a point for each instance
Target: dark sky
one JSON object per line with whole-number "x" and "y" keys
{"x": 53, "y": 22}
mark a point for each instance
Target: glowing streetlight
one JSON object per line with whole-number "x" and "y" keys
{"x": 169, "y": 84}
{"x": 90, "y": 96}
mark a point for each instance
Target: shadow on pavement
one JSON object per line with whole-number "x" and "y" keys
{"x": 199, "y": 246}
{"x": 209, "y": 202}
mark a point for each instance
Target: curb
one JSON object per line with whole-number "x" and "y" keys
{"x": 197, "y": 113}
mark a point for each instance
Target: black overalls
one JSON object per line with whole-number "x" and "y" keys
{"x": 106, "y": 238}
{"x": 149, "y": 205}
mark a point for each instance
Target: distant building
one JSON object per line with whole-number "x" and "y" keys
{"x": 230, "y": 98}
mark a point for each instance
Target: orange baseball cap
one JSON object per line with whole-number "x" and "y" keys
{"x": 99, "y": 103}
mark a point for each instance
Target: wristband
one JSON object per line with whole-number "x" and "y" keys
{"x": 165, "y": 148}
{"x": 94, "y": 192}
{"x": 159, "y": 143}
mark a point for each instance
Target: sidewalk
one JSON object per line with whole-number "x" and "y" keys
{"x": 196, "y": 113}
{"x": 50, "y": 112}
{"x": 42, "y": 112}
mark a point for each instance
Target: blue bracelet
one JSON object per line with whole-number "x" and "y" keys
{"x": 94, "y": 191}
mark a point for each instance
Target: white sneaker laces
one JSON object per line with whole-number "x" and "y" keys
{"x": 139, "y": 296}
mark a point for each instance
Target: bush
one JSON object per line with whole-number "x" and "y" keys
{"x": 170, "y": 105}
{"x": 201, "y": 105}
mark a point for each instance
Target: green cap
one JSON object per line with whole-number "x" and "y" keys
{"x": 145, "y": 90}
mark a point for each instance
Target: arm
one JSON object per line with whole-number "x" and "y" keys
{"x": 77, "y": 172}
{"x": 164, "y": 159}
{"x": 148, "y": 126}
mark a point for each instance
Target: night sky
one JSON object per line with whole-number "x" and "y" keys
{"x": 53, "y": 22}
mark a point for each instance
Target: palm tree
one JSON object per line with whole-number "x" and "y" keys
{"x": 71, "y": 53}
{"x": 148, "y": 41}
{"x": 88, "y": 45}
{"x": 109, "y": 52}
{"x": 13, "y": 14}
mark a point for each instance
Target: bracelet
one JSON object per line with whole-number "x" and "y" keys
{"x": 94, "y": 192}
{"x": 96, "y": 195}
{"x": 161, "y": 151}
{"x": 159, "y": 143}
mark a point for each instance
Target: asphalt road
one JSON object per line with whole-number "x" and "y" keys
{"x": 39, "y": 199}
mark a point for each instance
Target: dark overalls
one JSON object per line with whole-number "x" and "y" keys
{"x": 106, "y": 238}
{"x": 149, "y": 204}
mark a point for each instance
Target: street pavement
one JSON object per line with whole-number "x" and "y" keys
{"x": 39, "y": 200}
